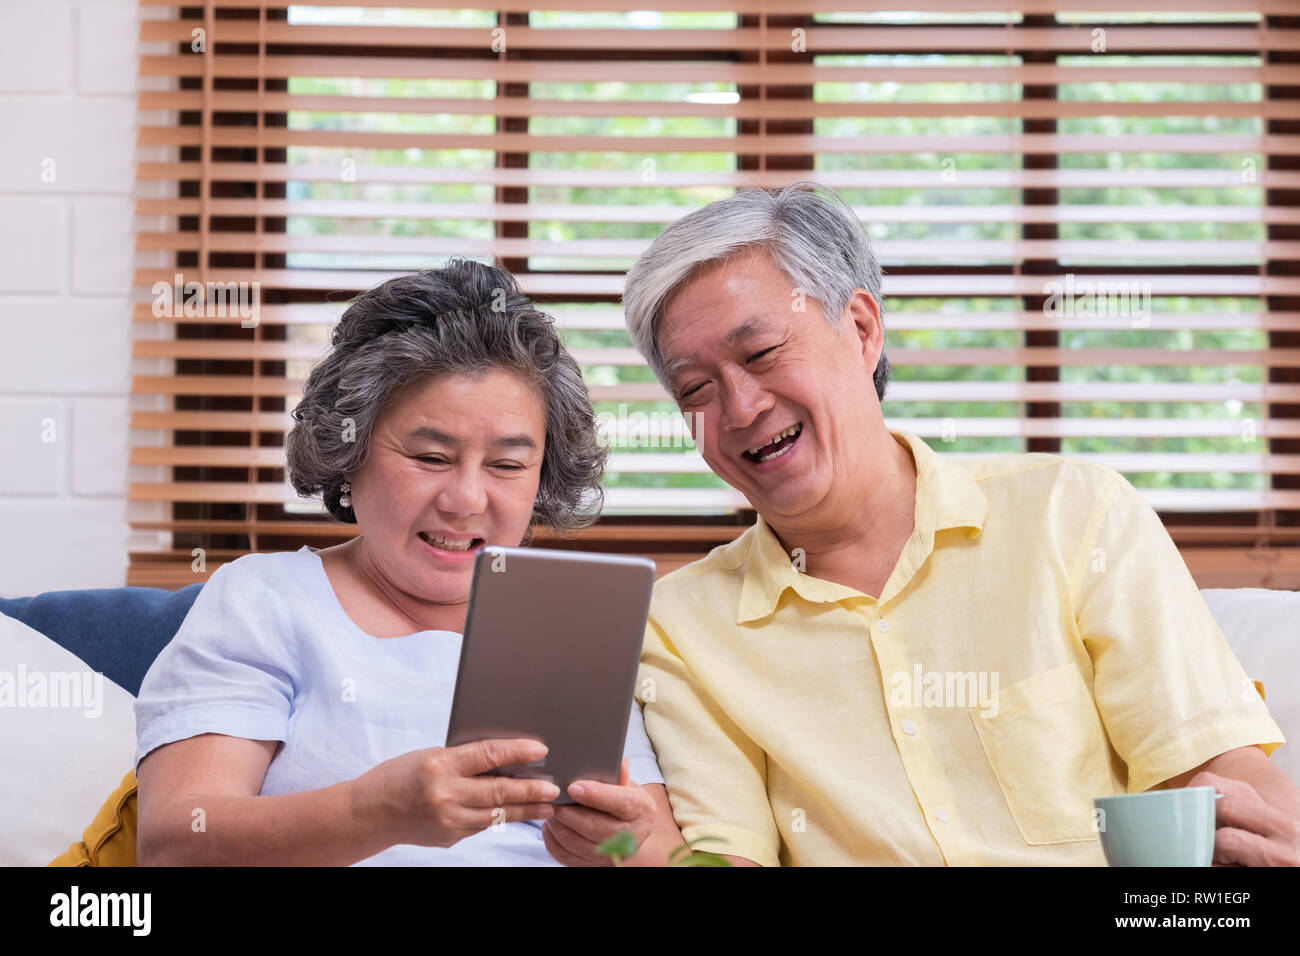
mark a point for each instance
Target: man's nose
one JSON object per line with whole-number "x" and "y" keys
{"x": 743, "y": 400}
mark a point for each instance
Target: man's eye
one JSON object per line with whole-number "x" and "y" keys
{"x": 510, "y": 466}
{"x": 432, "y": 459}
{"x": 692, "y": 390}
{"x": 757, "y": 355}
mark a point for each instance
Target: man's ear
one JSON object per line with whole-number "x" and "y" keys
{"x": 863, "y": 314}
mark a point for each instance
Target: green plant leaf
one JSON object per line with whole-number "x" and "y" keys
{"x": 702, "y": 858}
{"x": 679, "y": 851}
{"x": 620, "y": 846}
{"x": 685, "y": 856}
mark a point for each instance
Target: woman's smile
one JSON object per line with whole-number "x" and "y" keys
{"x": 453, "y": 549}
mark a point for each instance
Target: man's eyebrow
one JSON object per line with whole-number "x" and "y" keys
{"x": 675, "y": 366}
{"x": 753, "y": 326}
{"x": 505, "y": 441}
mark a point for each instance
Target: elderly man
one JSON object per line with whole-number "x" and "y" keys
{"x": 909, "y": 659}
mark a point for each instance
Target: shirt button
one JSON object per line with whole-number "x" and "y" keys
{"x": 909, "y": 728}
{"x": 882, "y": 624}
{"x": 943, "y": 817}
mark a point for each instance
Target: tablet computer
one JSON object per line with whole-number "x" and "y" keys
{"x": 551, "y": 649}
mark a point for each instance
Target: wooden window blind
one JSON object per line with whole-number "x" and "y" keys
{"x": 1088, "y": 221}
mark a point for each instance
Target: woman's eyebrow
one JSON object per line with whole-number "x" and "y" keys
{"x": 432, "y": 434}
{"x": 505, "y": 441}
{"x": 514, "y": 441}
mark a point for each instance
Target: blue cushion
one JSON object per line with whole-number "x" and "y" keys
{"x": 117, "y": 631}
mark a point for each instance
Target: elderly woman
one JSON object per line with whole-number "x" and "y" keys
{"x": 298, "y": 715}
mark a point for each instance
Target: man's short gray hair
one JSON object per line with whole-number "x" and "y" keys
{"x": 815, "y": 239}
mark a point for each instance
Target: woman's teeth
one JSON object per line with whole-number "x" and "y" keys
{"x": 446, "y": 544}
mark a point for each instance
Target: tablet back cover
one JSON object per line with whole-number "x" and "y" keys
{"x": 551, "y": 648}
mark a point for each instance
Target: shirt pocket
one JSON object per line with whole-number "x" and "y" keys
{"x": 1047, "y": 748}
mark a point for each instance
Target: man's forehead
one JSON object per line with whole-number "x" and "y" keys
{"x": 721, "y": 331}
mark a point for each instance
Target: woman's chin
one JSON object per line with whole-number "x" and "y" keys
{"x": 442, "y": 587}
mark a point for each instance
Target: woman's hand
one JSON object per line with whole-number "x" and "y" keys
{"x": 433, "y": 797}
{"x": 603, "y": 809}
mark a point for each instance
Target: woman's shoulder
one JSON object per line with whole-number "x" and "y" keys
{"x": 288, "y": 562}
{"x": 258, "y": 601}
{"x": 286, "y": 573}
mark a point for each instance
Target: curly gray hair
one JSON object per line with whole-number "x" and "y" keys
{"x": 465, "y": 318}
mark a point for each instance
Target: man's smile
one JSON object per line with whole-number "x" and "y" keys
{"x": 775, "y": 447}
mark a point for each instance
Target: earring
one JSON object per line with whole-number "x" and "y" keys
{"x": 345, "y": 499}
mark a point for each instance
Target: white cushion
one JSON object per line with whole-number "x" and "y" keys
{"x": 60, "y": 763}
{"x": 1260, "y": 626}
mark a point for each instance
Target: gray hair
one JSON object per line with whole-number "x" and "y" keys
{"x": 817, "y": 241}
{"x": 467, "y": 318}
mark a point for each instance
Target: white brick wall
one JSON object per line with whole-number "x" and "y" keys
{"x": 67, "y": 105}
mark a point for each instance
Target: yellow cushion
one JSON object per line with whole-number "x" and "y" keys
{"x": 110, "y": 838}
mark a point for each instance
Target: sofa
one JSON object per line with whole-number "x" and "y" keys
{"x": 61, "y": 763}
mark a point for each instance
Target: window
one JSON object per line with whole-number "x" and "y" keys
{"x": 1084, "y": 218}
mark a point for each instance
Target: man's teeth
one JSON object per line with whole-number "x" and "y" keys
{"x": 792, "y": 430}
{"x": 448, "y": 544}
{"x": 776, "y": 454}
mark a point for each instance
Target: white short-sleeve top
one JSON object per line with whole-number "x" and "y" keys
{"x": 268, "y": 653}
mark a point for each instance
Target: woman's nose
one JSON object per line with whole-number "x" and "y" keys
{"x": 464, "y": 493}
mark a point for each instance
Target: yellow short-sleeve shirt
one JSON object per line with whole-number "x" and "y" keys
{"x": 1039, "y": 643}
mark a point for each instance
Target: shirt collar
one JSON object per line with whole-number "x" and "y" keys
{"x": 946, "y": 497}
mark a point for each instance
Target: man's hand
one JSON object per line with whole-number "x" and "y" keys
{"x": 1250, "y": 832}
{"x": 1258, "y": 819}
{"x": 603, "y": 809}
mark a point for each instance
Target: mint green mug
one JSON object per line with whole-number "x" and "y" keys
{"x": 1158, "y": 827}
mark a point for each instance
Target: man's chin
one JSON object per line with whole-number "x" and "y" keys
{"x": 787, "y": 500}
{"x": 783, "y": 494}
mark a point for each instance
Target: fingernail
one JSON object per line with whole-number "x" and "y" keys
{"x": 550, "y": 791}
{"x": 577, "y": 790}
